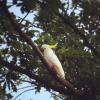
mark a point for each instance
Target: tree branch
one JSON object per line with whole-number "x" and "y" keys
{"x": 36, "y": 49}
{"x": 68, "y": 21}
{"x": 40, "y": 80}
{"x": 71, "y": 90}
{"x": 44, "y": 83}
{"x": 22, "y": 93}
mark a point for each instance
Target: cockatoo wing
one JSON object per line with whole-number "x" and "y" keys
{"x": 53, "y": 59}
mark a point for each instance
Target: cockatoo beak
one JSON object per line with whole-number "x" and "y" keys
{"x": 53, "y": 46}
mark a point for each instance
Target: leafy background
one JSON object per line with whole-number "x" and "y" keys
{"x": 81, "y": 65}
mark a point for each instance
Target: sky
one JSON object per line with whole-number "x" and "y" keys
{"x": 30, "y": 95}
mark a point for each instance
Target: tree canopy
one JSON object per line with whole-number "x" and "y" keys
{"x": 73, "y": 24}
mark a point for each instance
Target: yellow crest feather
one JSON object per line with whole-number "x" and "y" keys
{"x": 53, "y": 46}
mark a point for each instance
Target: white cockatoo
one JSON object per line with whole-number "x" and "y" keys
{"x": 51, "y": 57}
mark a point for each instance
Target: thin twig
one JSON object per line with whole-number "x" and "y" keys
{"x": 22, "y": 93}
{"x": 21, "y": 88}
{"x": 31, "y": 82}
{"x": 24, "y": 17}
{"x": 56, "y": 95}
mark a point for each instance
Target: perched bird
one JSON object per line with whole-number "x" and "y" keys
{"x": 51, "y": 57}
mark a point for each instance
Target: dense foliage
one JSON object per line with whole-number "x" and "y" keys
{"x": 73, "y": 24}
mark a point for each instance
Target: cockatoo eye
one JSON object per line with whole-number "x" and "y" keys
{"x": 43, "y": 49}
